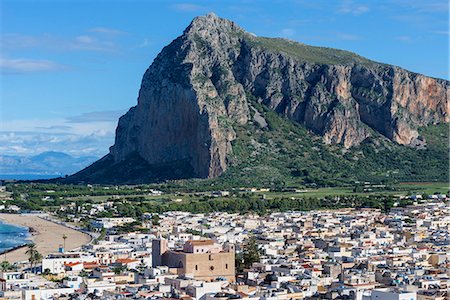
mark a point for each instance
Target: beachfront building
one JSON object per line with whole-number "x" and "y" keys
{"x": 56, "y": 263}
{"x": 109, "y": 223}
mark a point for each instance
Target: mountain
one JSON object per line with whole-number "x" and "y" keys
{"x": 218, "y": 98}
{"x": 45, "y": 163}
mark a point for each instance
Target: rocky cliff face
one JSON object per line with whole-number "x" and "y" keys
{"x": 187, "y": 98}
{"x": 203, "y": 84}
{"x": 346, "y": 100}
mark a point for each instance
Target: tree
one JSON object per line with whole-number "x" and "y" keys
{"x": 33, "y": 255}
{"x": 119, "y": 269}
{"x": 46, "y": 271}
{"x": 37, "y": 257}
{"x": 5, "y": 266}
{"x": 83, "y": 273}
{"x": 251, "y": 253}
{"x": 155, "y": 220}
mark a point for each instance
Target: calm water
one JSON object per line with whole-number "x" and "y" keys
{"x": 11, "y": 236}
{"x": 27, "y": 176}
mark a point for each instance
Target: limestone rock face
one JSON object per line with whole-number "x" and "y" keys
{"x": 202, "y": 84}
{"x": 345, "y": 103}
{"x": 187, "y": 98}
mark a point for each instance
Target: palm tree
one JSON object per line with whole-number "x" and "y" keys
{"x": 5, "y": 265}
{"x": 64, "y": 239}
{"x": 33, "y": 255}
{"x": 37, "y": 257}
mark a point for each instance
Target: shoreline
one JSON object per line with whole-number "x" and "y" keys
{"x": 47, "y": 234}
{"x": 3, "y": 252}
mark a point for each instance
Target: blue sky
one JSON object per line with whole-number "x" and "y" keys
{"x": 69, "y": 69}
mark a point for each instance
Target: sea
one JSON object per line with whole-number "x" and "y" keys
{"x": 12, "y": 236}
{"x": 27, "y": 176}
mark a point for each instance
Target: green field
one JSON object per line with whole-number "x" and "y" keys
{"x": 426, "y": 187}
{"x": 403, "y": 189}
{"x": 135, "y": 200}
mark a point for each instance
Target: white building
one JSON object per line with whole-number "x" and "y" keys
{"x": 111, "y": 222}
{"x": 389, "y": 294}
{"x": 45, "y": 294}
{"x": 56, "y": 262}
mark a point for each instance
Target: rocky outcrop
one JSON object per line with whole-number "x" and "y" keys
{"x": 202, "y": 85}
{"x": 345, "y": 102}
{"x": 187, "y": 101}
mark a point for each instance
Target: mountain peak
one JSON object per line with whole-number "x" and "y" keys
{"x": 51, "y": 154}
{"x": 212, "y": 22}
{"x": 210, "y": 19}
{"x": 211, "y": 16}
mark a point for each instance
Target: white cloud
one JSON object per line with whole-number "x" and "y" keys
{"x": 429, "y": 6}
{"x": 442, "y": 32}
{"x": 82, "y": 42}
{"x": 55, "y": 127}
{"x": 403, "y": 38}
{"x": 85, "y": 39}
{"x": 349, "y": 7}
{"x": 189, "y": 7}
{"x": 23, "y": 65}
{"x": 32, "y": 143}
{"x": 58, "y": 126}
{"x": 86, "y": 134}
{"x": 97, "y": 116}
{"x": 108, "y": 31}
{"x": 145, "y": 43}
{"x": 90, "y": 43}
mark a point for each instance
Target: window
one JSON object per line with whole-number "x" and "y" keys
{"x": 211, "y": 268}
{"x": 196, "y": 267}
{"x": 226, "y": 266}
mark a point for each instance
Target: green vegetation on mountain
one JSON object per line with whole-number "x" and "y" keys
{"x": 286, "y": 154}
{"x": 311, "y": 54}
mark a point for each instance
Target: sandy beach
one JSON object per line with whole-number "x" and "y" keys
{"x": 46, "y": 235}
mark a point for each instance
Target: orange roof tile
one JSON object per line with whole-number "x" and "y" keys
{"x": 90, "y": 265}
{"x": 125, "y": 260}
{"x": 72, "y": 264}
{"x": 201, "y": 242}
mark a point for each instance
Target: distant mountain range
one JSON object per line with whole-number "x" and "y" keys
{"x": 46, "y": 163}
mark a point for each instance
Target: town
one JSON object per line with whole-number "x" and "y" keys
{"x": 224, "y": 150}
{"x": 343, "y": 253}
